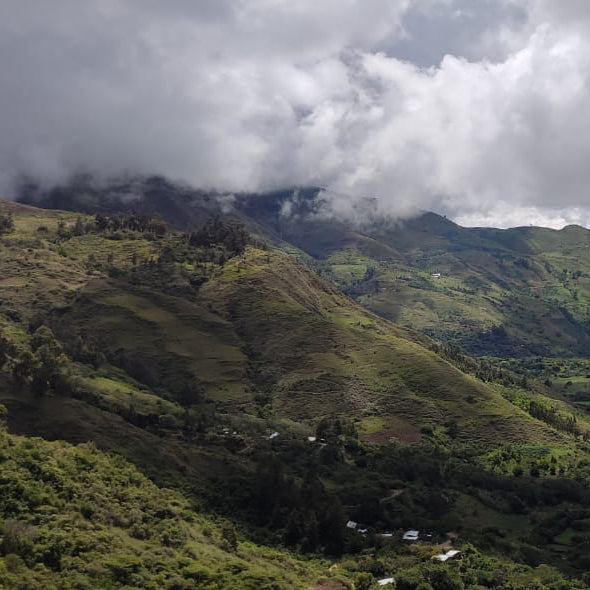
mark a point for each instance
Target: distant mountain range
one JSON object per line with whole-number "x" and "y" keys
{"x": 515, "y": 293}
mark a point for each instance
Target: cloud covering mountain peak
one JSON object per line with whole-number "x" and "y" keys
{"x": 476, "y": 110}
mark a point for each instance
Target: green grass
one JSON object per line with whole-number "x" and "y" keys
{"x": 117, "y": 396}
{"x": 261, "y": 321}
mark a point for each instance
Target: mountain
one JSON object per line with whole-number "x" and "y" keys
{"x": 457, "y": 284}
{"x": 209, "y": 356}
{"x": 511, "y": 294}
{"x": 189, "y": 326}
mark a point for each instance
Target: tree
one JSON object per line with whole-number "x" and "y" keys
{"x": 62, "y": 230}
{"x": 5, "y": 348}
{"x": 101, "y": 222}
{"x": 270, "y": 483}
{"x": 228, "y": 534}
{"x": 233, "y": 237}
{"x": 48, "y": 359}
{"x": 441, "y": 578}
{"x": 311, "y": 538}
{"x": 332, "y": 528}
{"x": 23, "y": 366}
{"x": 6, "y": 224}
{"x": 363, "y": 581}
{"x": 79, "y": 228}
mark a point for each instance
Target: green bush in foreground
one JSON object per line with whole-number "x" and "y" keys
{"x": 73, "y": 517}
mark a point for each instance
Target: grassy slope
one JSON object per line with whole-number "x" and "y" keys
{"x": 513, "y": 278}
{"x": 261, "y": 322}
{"x": 329, "y": 353}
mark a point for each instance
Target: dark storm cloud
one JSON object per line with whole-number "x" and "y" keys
{"x": 475, "y": 109}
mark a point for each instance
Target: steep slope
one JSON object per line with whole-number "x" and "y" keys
{"x": 77, "y": 518}
{"x": 261, "y": 324}
{"x": 511, "y": 293}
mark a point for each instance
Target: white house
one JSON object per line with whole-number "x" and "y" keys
{"x": 451, "y": 554}
{"x": 386, "y": 581}
{"x": 351, "y": 524}
{"x": 411, "y": 535}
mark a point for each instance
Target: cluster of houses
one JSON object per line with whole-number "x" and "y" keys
{"x": 310, "y": 439}
{"x": 228, "y": 432}
{"x": 412, "y": 536}
{"x": 355, "y": 527}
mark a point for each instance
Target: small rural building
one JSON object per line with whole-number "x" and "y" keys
{"x": 386, "y": 582}
{"x": 311, "y": 439}
{"x": 452, "y": 554}
{"x": 411, "y": 535}
{"x": 436, "y": 275}
{"x": 273, "y": 435}
{"x": 351, "y": 525}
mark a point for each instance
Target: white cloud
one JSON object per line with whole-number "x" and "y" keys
{"x": 258, "y": 94}
{"x": 505, "y": 214}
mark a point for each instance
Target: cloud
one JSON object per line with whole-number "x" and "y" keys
{"x": 476, "y": 110}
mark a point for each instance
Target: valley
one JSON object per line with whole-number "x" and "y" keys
{"x": 206, "y": 356}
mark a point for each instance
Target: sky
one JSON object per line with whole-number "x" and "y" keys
{"x": 476, "y": 109}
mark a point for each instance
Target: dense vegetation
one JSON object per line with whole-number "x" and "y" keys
{"x": 75, "y": 518}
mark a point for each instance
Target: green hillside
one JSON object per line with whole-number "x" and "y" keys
{"x": 261, "y": 328}
{"x": 209, "y": 358}
{"x": 512, "y": 293}
{"x": 76, "y": 518}
{"x": 519, "y": 293}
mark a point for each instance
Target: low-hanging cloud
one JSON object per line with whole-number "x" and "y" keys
{"x": 353, "y": 95}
